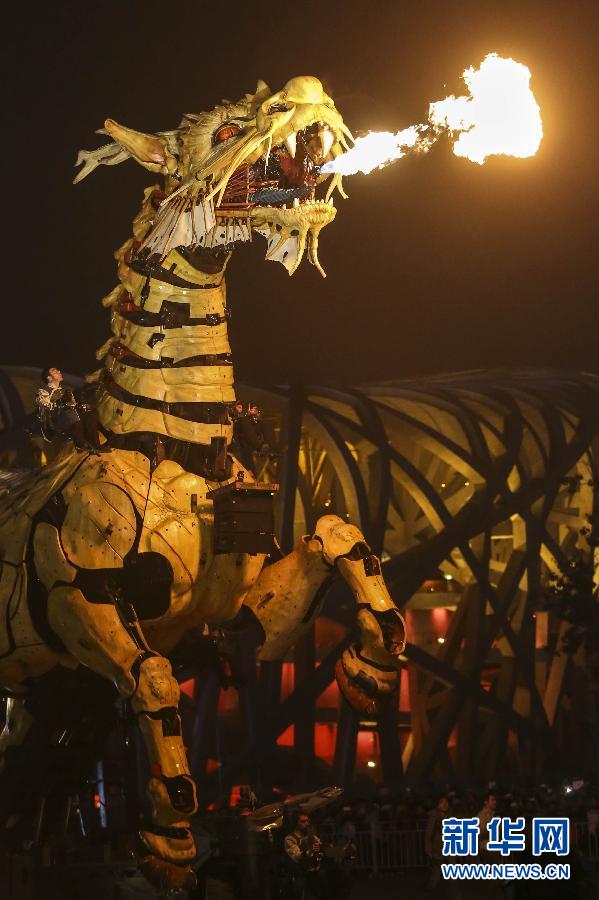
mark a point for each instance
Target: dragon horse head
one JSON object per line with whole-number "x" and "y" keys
{"x": 247, "y": 166}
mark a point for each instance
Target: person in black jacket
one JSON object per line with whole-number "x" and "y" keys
{"x": 247, "y": 435}
{"x": 61, "y": 414}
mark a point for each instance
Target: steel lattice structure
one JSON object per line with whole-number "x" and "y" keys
{"x": 488, "y": 478}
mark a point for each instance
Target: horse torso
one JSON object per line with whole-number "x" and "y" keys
{"x": 106, "y": 523}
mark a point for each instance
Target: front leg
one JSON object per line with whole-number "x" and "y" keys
{"x": 109, "y": 641}
{"x": 286, "y": 598}
{"x": 368, "y": 671}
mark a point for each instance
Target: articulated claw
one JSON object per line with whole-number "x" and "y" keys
{"x": 165, "y": 856}
{"x": 367, "y": 672}
{"x": 165, "y": 876}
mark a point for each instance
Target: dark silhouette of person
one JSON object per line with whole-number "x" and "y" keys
{"x": 247, "y": 436}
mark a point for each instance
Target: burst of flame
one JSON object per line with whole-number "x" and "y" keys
{"x": 374, "y": 150}
{"x": 501, "y": 116}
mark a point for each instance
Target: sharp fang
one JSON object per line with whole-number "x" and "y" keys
{"x": 327, "y": 139}
{"x": 291, "y": 144}
{"x": 296, "y": 202}
{"x": 331, "y": 202}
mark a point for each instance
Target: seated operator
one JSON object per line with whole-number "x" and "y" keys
{"x": 61, "y": 415}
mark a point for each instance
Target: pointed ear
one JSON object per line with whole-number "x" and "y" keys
{"x": 149, "y": 150}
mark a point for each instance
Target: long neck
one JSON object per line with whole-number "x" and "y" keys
{"x": 168, "y": 365}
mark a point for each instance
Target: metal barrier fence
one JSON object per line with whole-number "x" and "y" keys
{"x": 585, "y": 839}
{"x": 389, "y": 850}
{"x": 383, "y": 850}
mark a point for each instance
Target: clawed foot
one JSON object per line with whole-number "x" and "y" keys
{"x": 165, "y": 876}
{"x": 368, "y": 671}
{"x": 167, "y": 865}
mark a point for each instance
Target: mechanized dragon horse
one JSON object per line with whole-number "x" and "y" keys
{"x": 109, "y": 560}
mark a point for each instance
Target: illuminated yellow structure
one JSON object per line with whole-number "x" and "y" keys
{"x": 110, "y": 560}
{"x": 427, "y": 468}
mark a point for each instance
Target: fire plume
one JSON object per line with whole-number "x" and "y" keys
{"x": 500, "y": 116}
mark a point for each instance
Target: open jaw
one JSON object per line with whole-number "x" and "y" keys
{"x": 256, "y": 164}
{"x": 277, "y": 191}
{"x": 280, "y": 193}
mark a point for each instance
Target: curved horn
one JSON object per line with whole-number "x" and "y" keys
{"x": 149, "y": 150}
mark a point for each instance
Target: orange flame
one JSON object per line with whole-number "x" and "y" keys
{"x": 499, "y": 117}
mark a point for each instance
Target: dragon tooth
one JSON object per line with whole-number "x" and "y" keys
{"x": 291, "y": 143}
{"x": 327, "y": 139}
{"x": 296, "y": 202}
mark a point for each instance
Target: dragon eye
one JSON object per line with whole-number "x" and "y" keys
{"x": 277, "y": 107}
{"x": 226, "y": 131}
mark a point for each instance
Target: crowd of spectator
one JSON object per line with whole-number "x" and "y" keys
{"x": 409, "y": 809}
{"x": 399, "y": 834}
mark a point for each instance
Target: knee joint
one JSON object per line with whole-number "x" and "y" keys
{"x": 170, "y": 798}
{"x": 340, "y": 539}
{"x": 182, "y": 793}
{"x": 157, "y": 690}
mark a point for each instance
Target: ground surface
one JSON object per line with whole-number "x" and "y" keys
{"x": 102, "y": 886}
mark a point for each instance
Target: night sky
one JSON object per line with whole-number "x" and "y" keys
{"x": 434, "y": 264}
